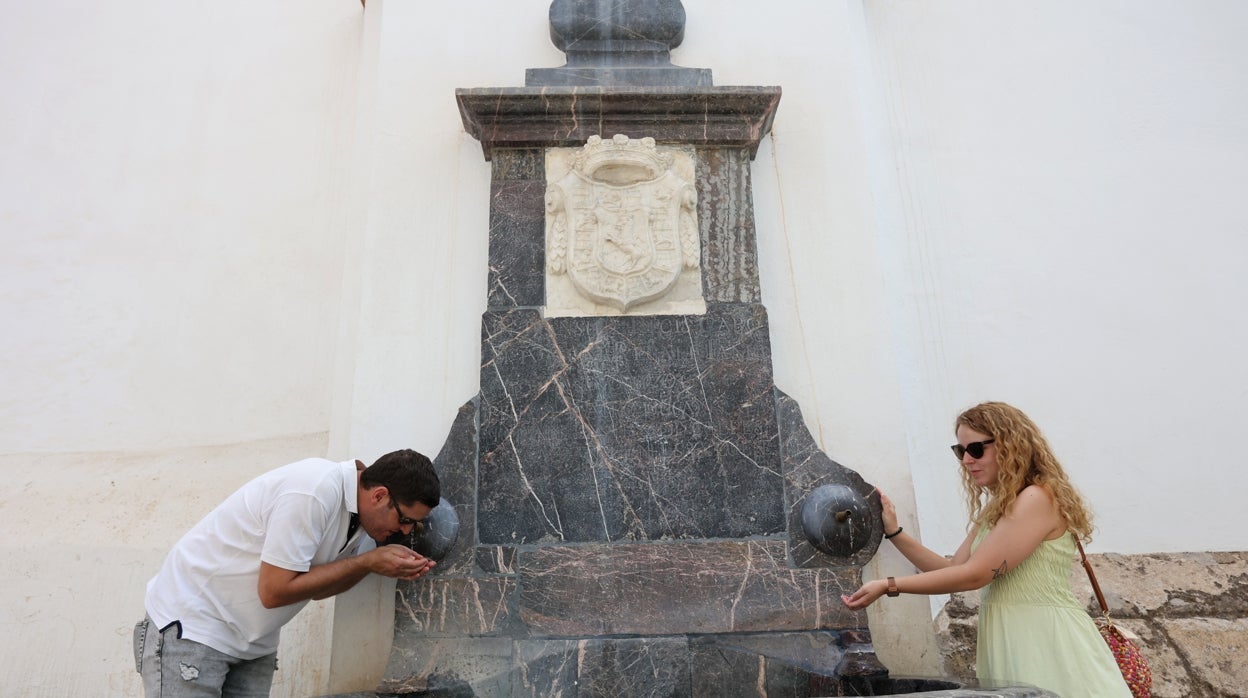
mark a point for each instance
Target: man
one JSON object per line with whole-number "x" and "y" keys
{"x": 215, "y": 608}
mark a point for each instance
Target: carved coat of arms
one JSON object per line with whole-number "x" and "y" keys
{"x": 622, "y": 222}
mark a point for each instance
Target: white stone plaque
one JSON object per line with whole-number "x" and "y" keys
{"x": 622, "y": 230}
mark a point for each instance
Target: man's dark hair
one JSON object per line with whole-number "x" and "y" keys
{"x": 408, "y": 475}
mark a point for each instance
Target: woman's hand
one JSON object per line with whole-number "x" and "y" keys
{"x": 866, "y": 595}
{"x": 889, "y": 513}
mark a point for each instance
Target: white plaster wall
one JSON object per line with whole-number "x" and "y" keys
{"x": 171, "y": 211}
{"x": 83, "y": 532}
{"x": 170, "y": 179}
{"x": 1064, "y": 231}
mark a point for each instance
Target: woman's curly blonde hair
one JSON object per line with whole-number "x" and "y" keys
{"x": 1023, "y": 458}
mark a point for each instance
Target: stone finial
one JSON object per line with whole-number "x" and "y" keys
{"x": 617, "y": 42}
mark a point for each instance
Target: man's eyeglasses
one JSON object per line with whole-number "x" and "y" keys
{"x": 405, "y": 520}
{"x": 975, "y": 448}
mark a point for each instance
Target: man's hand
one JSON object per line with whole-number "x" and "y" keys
{"x": 280, "y": 587}
{"x": 399, "y": 562}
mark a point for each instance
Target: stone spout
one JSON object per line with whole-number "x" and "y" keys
{"x": 837, "y": 520}
{"x": 436, "y": 535}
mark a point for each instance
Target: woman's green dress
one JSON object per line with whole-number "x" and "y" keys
{"x": 1032, "y": 630}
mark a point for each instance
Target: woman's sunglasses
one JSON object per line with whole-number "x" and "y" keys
{"x": 975, "y": 448}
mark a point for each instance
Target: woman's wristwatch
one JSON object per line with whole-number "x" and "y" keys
{"x": 892, "y": 587}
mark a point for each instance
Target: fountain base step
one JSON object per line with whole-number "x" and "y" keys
{"x": 794, "y": 665}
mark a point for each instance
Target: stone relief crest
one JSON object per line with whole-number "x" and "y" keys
{"x": 622, "y": 222}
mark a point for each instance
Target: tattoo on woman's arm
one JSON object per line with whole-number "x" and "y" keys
{"x": 998, "y": 571}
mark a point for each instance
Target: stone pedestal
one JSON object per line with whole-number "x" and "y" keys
{"x": 630, "y": 484}
{"x": 630, "y": 487}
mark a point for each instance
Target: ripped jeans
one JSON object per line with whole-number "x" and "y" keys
{"x": 175, "y": 668}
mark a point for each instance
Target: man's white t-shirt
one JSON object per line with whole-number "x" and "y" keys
{"x": 293, "y": 517}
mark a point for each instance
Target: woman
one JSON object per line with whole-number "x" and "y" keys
{"x": 1025, "y": 515}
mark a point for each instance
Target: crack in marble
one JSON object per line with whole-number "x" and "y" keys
{"x": 697, "y": 368}
{"x": 638, "y": 394}
{"x": 498, "y": 112}
{"x": 750, "y": 579}
{"x": 500, "y": 349}
{"x": 502, "y": 383}
{"x": 602, "y": 509}
{"x": 592, "y": 441}
{"x": 448, "y": 605}
{"x": 475, "y": 600}
{"x": 501, "y": 286}
{"x": 524, "y": 478}
{"x": 552, "y": 689}
{"x": 689, "y": 431}
{"x": 753, "y": 462}
{"x": 818, "y": 595}
{"x": 411, "y": 612}
{"x": 741, "y": 588}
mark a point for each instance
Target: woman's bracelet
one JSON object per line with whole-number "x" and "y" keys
{"x": 890, "y": 535}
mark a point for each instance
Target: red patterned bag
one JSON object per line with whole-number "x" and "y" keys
{"x": 1134, "y": 668}
{"x": 1127, "y": 653}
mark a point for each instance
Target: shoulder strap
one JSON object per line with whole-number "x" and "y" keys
{"x": 1096, "y": 588}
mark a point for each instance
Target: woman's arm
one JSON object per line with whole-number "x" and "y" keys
{"x": 1032, "y": 519}
{"x": 923, "y": 558}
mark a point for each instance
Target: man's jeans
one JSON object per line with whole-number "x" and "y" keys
{"x": 177, "y": 668}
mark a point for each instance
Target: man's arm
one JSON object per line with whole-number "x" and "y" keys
{"x": 281, "y": 587}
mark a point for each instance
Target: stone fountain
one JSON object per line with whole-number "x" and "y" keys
{"x": 639, "y": 510}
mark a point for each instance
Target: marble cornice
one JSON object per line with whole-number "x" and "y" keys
{"x": 542, "y": 117}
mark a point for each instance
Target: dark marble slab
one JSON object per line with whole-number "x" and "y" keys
{"x": 548, "y": 668}
{"x": 628, "y": 428}
{"x": 726, "y": 221}
{"x": 737, "y": 656}
{"x": 455, "y": 668}
{"x": 435, "y": 607}
{"x": 725, "y": 664}
{"x": 632, "y": 667}
{"x": 517, "y": 243}
{"x": 520, "y": 165}
{"x": 578, "y": 72}
{"x": 532, "y": 117}
{"x": 585, "y": 668}
{"x": 806, "y": 468}
{"x": 674, "y": 588}
{"x": 725, "y": 672}
{"x": 496, "y": 559}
